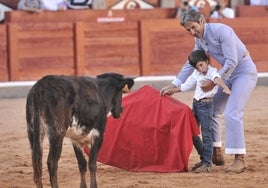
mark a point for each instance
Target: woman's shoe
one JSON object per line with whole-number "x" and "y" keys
{"x": 238, "y": 164}
{"x": 217, "y": 157}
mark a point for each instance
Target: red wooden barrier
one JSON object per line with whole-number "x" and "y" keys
{"x": 32, "y": 49}
{"x": 90, "y": 15}
{"x": 254, "y": 33}
{"x": 251, "y": 11}
{"x": 113, "y": 48}
{"x": 165, "y": 46}
{"x": 3, "y": 54}
{"x": 37, "y": 49}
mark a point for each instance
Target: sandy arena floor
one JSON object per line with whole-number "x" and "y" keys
{"x": 16, "y": 168}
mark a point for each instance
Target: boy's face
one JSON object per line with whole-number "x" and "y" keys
{"x": 202, "y": 67}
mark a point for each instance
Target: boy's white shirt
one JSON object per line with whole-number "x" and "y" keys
{"x": 196, "y": 79}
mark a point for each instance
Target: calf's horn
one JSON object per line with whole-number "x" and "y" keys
{"x": 126, "y": 89}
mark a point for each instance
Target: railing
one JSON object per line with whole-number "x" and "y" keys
{"x": 30, "y": 49}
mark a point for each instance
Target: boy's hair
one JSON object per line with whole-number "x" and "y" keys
{"x": 196, "y": 56}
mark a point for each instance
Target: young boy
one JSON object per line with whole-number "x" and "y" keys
{"x": 202, "y": 104}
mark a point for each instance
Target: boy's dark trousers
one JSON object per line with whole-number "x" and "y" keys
{"x": 198, "y": 146}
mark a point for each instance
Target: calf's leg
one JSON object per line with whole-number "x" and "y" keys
{"x": 82, "y": 165}
{"x": 92, "y": 162}
{"x": 55, "y": 148}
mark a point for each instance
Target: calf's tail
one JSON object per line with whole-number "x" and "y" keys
{"x": 34, "y": 135}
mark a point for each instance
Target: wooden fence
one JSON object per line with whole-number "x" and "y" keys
{"x": 78, "y": 45}
{"x": 251, "y": 11}
{"x": 4, "y": 71}
{"x": 90, "y": 15}
{"x": 253, "y": 31}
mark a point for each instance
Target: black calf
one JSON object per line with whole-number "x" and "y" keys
{"x": 75, "y": 107}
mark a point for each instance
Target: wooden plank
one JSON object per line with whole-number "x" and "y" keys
{"x": 112, "y": 47}
{"x": 45, "y": 52}
{"x": 46, "y": 46}
{"x": 45, "y": 40}
{"x": 255, "y": 32}
{"x": 35, "y": 68}
{"x": 89, "y": 15}
{"x": 251, "y": 11}
{"x": 130, "y": 70}
{"x": 258, "y": 55}
{"x": 145, "y": 47}
{"x": 4, "y": 72}
{"x": 79, "y": 48}
{"x": 135, "y": 48}
{"x": 254, "y": 36}
{"x": 46, "y": 62}
{"x": 46, "y": 43}
{"x": 13, "y": 55}
{"x": 165, "y": 46}
{"x": 37, "y": 73}
{"x": 261, "y": 66}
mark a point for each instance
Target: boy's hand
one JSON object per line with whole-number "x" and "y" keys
{"x": 227, "y": 91}
{"x": 164, "y": 90}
